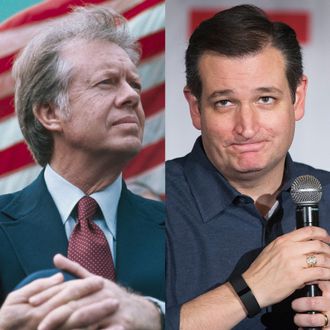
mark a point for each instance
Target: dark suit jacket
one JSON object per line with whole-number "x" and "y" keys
{"x": 31, "y": 233}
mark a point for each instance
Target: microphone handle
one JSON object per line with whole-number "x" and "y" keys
{"x": 309, "y": 216}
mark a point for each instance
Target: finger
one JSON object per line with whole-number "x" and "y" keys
{"x": 322, "y": 260}
{"x": 313, "y": 274}
{"x": 56, "y": 318}
{"x": 76, "y": 289}
{"x": 70, "y": 316}
{"x": 325, "y": 288}
{"x": 70, "y": 266}
{"x": 94, "y": 313}
{"x": 113, "y": 327}
{"x": 313, "y": 247}
{"x": 308, "y": 233}
{"x": 310, "y": 320}
{"x": 305, "y": 304}
{"x": 45, "y": 295}
{"x": 23, "y": 294}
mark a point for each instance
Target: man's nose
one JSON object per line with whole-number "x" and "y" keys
{"x": 247, "y": 122}
{"x": 127, "y": 95}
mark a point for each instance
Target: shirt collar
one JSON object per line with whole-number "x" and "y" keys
{"x": 289, "y": 174}
{"x": 66, "y": 196}
{"x": 211, "y": 191}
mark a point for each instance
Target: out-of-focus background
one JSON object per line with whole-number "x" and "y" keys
{"x": 20, "y": 21}
{"x": 311, "y": 21}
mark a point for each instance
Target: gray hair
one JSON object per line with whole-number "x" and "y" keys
{"x": 42, "y": 76}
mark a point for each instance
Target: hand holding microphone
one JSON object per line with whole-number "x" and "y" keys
{"x": 306, "y": 192}
{"x": 286, "y": 260}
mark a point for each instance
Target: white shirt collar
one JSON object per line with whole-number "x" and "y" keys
{"x": 272, "y": 210}
{"x": 66, "y": 196}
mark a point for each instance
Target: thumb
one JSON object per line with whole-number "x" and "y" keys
{"x": 70, "y": 266}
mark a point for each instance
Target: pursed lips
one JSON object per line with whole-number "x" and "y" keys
{"x": 248, "y": 147}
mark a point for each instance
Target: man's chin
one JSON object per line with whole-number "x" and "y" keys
{"x": 250, "y": 165}
{"x": 249, "y": 172}
{"x": 129, "y": 148}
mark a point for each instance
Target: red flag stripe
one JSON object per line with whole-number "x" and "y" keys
{"x": 6, "y": 107}
{"x": 148, "y": 158}
{"x": 44, "y": 10}
{"x": 141, "y": 7}
{"x": 6, "y": 63}
{"x": 47, "y": 10}
{"x": 14, "y": 158}
{"x": 152, "y": 44}
{"x": 153, "y": 100}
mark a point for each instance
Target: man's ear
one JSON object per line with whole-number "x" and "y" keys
{"x": 49, "y": 116}
{"x": 193, "y": 107}
{"x": 299, "y": 104}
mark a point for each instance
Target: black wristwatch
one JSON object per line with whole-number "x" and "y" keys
{"x": 245, "y": 294}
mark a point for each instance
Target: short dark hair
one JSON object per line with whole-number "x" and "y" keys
{"x": 240, "y": 31}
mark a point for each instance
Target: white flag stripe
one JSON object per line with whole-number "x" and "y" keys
{"x": 148, "y": 22}
{"x": 152, "y": 72}
{"x": 12, "y": 134}
{"x": 153, "y": 178}
{"x": 12, "y": 40}
{"x": 18, "y": 180}
{"x": 154, "y": 128}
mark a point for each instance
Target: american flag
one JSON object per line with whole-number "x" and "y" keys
{"x": 146, "y": 20}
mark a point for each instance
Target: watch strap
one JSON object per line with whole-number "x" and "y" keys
{"x": 246, "y": 296}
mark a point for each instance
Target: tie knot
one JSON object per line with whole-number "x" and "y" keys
{"x": 87, "y": 207}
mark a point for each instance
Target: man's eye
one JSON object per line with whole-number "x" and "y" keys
{"x": 107, "y": 82}
{"x": 223, "y": 103}
{"x": 136, "y": 85}
{"x": 266, "y": 100}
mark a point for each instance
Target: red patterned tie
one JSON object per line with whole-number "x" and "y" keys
{"x": 88, "y": 245}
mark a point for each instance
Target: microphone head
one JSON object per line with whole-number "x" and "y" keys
{"x": 306, "y": 190}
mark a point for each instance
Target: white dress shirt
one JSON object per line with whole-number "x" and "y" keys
{"x": 66, "y": 196}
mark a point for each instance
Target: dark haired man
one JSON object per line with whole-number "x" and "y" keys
{"x": 234, "y": 257}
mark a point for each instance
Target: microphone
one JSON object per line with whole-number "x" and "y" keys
{"x": 306, "y": 192}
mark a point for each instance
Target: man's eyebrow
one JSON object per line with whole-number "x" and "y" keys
{"x": 270, "y": 89}
{"x": 223, "y": 92}
{"x": 230, "y": 92}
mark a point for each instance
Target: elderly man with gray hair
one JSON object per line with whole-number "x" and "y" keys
{"x": 78, "y": 103}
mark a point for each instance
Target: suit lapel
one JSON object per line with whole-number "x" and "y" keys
{"x": 140, "y": 246}
{"x": 36, "y": 230}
